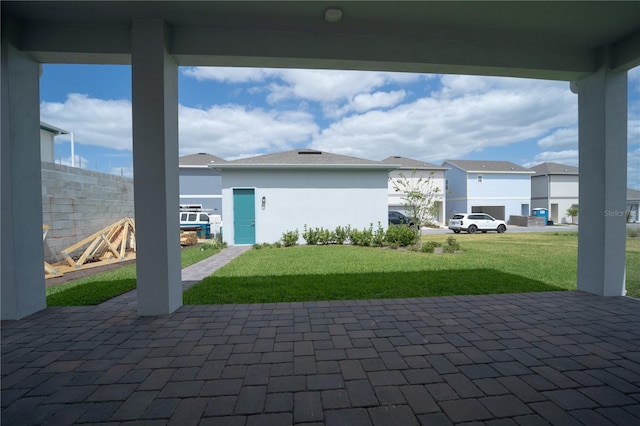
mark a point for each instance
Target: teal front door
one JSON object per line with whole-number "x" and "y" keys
{"x": 244, "y": 216}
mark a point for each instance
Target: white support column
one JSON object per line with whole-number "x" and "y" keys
{"x": 155, "y": 167}
{"x": 602, "y": 103}
{"x": 21, "y": 249}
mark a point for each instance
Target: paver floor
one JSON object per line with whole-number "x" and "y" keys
{"x": 541, "y": 358}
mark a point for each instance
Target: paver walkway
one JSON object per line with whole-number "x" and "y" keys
{"x": 190, "y": 275}
{"x": 564, "y": 358}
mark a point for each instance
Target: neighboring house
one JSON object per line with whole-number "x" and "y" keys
{"x": 47, "y": 142}
{"x": 633, "y": 201}
{"x": 498, "y": 188}
{"x": 265, "y": 196}
{"x": 199, "y": 183}
{"x": 413, "y": 170}
{"x": 555, "y": 187}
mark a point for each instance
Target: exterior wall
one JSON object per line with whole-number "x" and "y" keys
{"x": 294, "y": 198}
{"x": 513, "y": 191}
{"x": 46, "y": 146}
{"x": 564, "y": 192}
{"x": 438, "y": 181}
{"x": 201, "y": 186}
{"x": 564, "y": 186}
{"x": 77, "y": 203}
{"x": 556, "y": 193}
{"x": 456, "y": 193}
{"x": 539, "y": 192}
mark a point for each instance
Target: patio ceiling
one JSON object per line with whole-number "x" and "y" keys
{"x": 551, "y": 40}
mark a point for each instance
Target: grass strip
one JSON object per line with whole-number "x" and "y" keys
{"x": 97, "y": 288}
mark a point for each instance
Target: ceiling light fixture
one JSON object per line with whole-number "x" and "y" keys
{"x": 333, "y": 14}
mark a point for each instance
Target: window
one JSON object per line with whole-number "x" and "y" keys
{"x": 183, "y": 217}
{"x": 204, "y": 217}
{"x": 192, "y": 217}
{"x": 479, "y": 178}
{"x": 446, "y": 185}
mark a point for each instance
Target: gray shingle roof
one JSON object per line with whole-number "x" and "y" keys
{"x": 304, "y": 158}
{"x": 482, "y": 166}
{"x": 408, "y": 163}
{"x": 200, "y": 159}
{"x": 633, "y": 194}
{"x": 554, "y": 169}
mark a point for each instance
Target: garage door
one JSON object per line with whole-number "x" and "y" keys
{"x": 497, "y": 212}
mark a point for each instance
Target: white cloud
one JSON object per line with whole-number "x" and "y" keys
{"x": 335, "y": 89}
{"x": 326, "y": 86}
{"x": 365, "y": 101}
{"x": 234, "y": 131}
{"x": 441, "y": 127}
{"x": 561, "y": 138}
{"x": 231, "y": 75}
{"x": 81, "y": 162}
{"x": 93, "y": 121}
{"x": 568, "y": 157}
{"x": 225, "y": 131}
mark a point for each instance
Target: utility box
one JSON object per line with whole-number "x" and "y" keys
{"x": 543, "y": 213}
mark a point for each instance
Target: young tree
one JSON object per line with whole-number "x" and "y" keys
{"x": 419, "y": 197}
{"x": 573, "y": 212}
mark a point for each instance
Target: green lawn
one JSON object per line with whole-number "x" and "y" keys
{"x": 490, "y": 264}
{"x": 103, "y": 286}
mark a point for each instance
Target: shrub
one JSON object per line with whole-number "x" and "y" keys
{"x": 452, "y": 245}
{"x": 263, "y": 245}
{"x": 361, "y": 238}
{"x": 633, "y": 233}
{"x": 342, "y": 234}
{"x": 290, "y": 238}
{"x": 378, "y": 238}
{"x": 326, "y": 236}
{"x": 430, "y": 246}
{"x": 400, "y": 235}
{"x": 211, "y": 244}
{"x": 311, "y": 235}
{"x": 277, "y": 244}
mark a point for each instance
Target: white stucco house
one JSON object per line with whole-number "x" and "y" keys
{"x": 47, "y": 141}
{"x": 555, "y": 187}
{"x": 413, "y": 170}
{"x": 199, "y": 183}
{"x": 633, "y": 204}
{"x": 498, "y": 188}
{"x": 265, "y": 196}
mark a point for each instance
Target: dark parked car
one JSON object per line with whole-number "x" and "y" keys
{"x": 398, "y": 218}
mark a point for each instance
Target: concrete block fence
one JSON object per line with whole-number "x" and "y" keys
{"x": 77, "y": 203}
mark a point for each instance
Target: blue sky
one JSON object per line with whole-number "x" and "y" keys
{"x": 240, "y": 112}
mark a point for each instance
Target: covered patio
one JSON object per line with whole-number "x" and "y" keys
{"x": 540, "y": 358}
{"x": 560, "y": 358}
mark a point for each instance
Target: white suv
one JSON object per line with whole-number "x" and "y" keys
{"x": 472, "y": 222}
